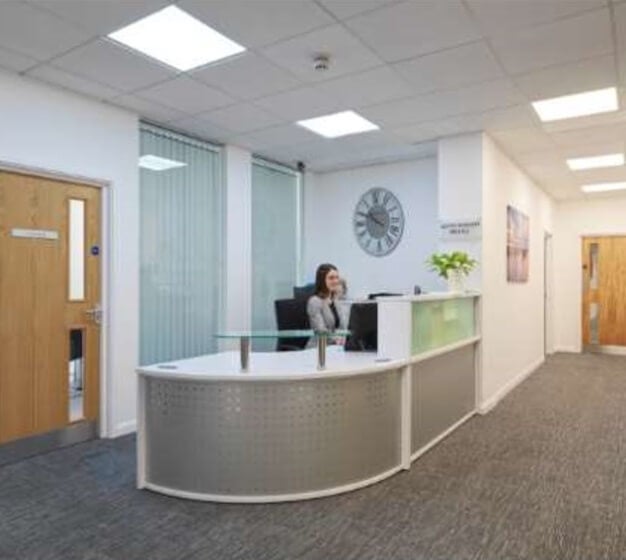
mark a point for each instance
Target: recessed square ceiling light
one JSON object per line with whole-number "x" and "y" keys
{"x": 156, "y": 163}
{"x": 603, "y": 187}
{"x": 339, "y": 124}
{"x": 593, "y": 162}
{"x": 577, "y": 105}
{"x": 175, "y": 38}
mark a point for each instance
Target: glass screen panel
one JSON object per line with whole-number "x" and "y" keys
{"x": 77, "y": 250}
{"x": 76, "y": 375}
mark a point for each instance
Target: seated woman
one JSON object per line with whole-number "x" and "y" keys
{"x": 325, "y": 315}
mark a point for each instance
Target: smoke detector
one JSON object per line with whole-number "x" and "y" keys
{"x": 321, "y": 62}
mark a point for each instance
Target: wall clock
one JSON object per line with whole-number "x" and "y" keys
{"x": 378, "y": 222}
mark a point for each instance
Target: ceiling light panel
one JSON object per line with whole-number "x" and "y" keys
{"x": 177, "y": 39}
{"x": 603, "y": 187}
{"x": 595, "y": 162}
{"x": 339, "y": 124}
{"x": 577, "y": 105}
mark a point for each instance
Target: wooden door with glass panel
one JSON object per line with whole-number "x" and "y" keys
{"x": 49, "y": 304}
{"x": 604, "y": 291}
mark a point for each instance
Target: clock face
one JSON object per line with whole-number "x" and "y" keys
{"x": 378, "y": 222}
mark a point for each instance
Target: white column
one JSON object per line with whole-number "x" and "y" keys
{"x": 460, "y": 184}
{"x": 238, "y": 263}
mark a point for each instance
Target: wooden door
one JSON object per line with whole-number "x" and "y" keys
{"x": 49, "y": 283}
{"x": 604, "y": 291}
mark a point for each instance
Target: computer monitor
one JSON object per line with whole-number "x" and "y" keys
{"x": 363, "y": 326}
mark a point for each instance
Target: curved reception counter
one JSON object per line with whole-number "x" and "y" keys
{"x": 287, "y": 430}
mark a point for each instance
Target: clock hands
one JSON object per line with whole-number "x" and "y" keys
{"x": 370, "y": 216}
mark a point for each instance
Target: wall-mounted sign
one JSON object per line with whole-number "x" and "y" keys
{"x": 460, "y": 230}
{"x": 35, "y": 233}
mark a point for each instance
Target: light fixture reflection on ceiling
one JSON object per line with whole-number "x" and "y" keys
{"x": 595, "y": 162}
{"x": 577, "y": 105}
{"x": 157, "y": 163}
{"x": 338, "y": 124}
{"x": 177, "y": 39}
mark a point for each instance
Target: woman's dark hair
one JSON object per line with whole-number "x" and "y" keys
{"x": 320, "y": 278}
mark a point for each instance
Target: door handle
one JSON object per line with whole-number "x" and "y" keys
{"x": 95, "y": 314}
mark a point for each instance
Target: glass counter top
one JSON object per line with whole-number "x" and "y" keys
{"x": 280, "y": 334}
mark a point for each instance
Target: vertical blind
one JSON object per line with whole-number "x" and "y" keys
{"x": 275, "y": 242}
{"x": 180, "y": 245}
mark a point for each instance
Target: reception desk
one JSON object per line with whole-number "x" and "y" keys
{"x": 288, "y": 430}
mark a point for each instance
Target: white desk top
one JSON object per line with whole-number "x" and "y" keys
{"x": 432, "y": 296}
{"x": 272, "y": 366}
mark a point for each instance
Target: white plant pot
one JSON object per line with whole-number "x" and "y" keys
{"x": 456, "y": 281}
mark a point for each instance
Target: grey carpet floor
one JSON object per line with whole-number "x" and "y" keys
{"x": 543, "y": 476}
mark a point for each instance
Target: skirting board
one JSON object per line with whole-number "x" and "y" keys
{"x": 490, "y": 403}
{"x": 122, "y": 429}
{"x": 568, "y": 349}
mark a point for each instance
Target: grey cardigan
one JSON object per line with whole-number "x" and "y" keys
{"x": 321, "y": 316}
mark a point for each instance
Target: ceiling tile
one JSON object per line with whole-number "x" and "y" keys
{"x": 497, "y": 119}
{"x": 412, "y": 28}
{"x": 247, "y": 76}
{"x": 254, "y": 24}
{"x": 584, "y": 75}
{"x": 619, "y": 17}
{"x": 284, "y": 135}
{"x": 520, "y": 140}
{"x": 371, "y": 156}
{"x": 604, "y": 175}
{"x": 584, "y": 137}
{"x": 100, "y": 17}
{"x": 447, "y": 69}
{"x": 589, "y": 150}
{"x": 147, "y": 109}
{"x": 36, "y": 33}
{"x": 471, "y": 99}
{"x": 240, "y": 118}
{"x": 186, "y": 95}
{"x": 367, "y": 88}
{"x": 300, "y": 104}
{"x": 15, "y": 61}
{"x": 344, "y": 9}
{"x": 201, "y": 128}
{"x": 347, "y": 54}
{"x": 115, "y": 66}
{"x": 61, "y": 78}
{"x": 565, "y": 41}
{"x": 495, "y": 16}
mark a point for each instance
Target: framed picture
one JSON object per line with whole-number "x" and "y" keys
{"x": 517, "y": 244}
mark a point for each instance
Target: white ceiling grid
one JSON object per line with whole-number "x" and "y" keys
{"x": 420, "y": 69}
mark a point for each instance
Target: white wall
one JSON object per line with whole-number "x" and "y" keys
{"x": 52, "y": 129}
{"x": 329, "y": 202}
{"x": 460, "y": 182}
{"x": 512, "y": 314}
{"x": 574, "y": 219}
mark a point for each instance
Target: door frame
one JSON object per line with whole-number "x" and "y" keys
{"x": 618, "y": 350}
{"x": 105, "y": 268}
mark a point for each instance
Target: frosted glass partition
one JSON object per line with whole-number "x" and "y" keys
{"x": 441, "y": 322}
{"x": 180, "y": 242}
{"x": 275, "y": 243}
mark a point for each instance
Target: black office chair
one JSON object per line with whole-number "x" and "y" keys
{"x": 304, "y": 292}
{"x": 291, "y": 315}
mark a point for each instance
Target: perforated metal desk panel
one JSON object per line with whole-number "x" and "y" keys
{"x": 282, "y": 431}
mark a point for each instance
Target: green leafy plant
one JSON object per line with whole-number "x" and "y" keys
{"x": 443, "y": 263}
